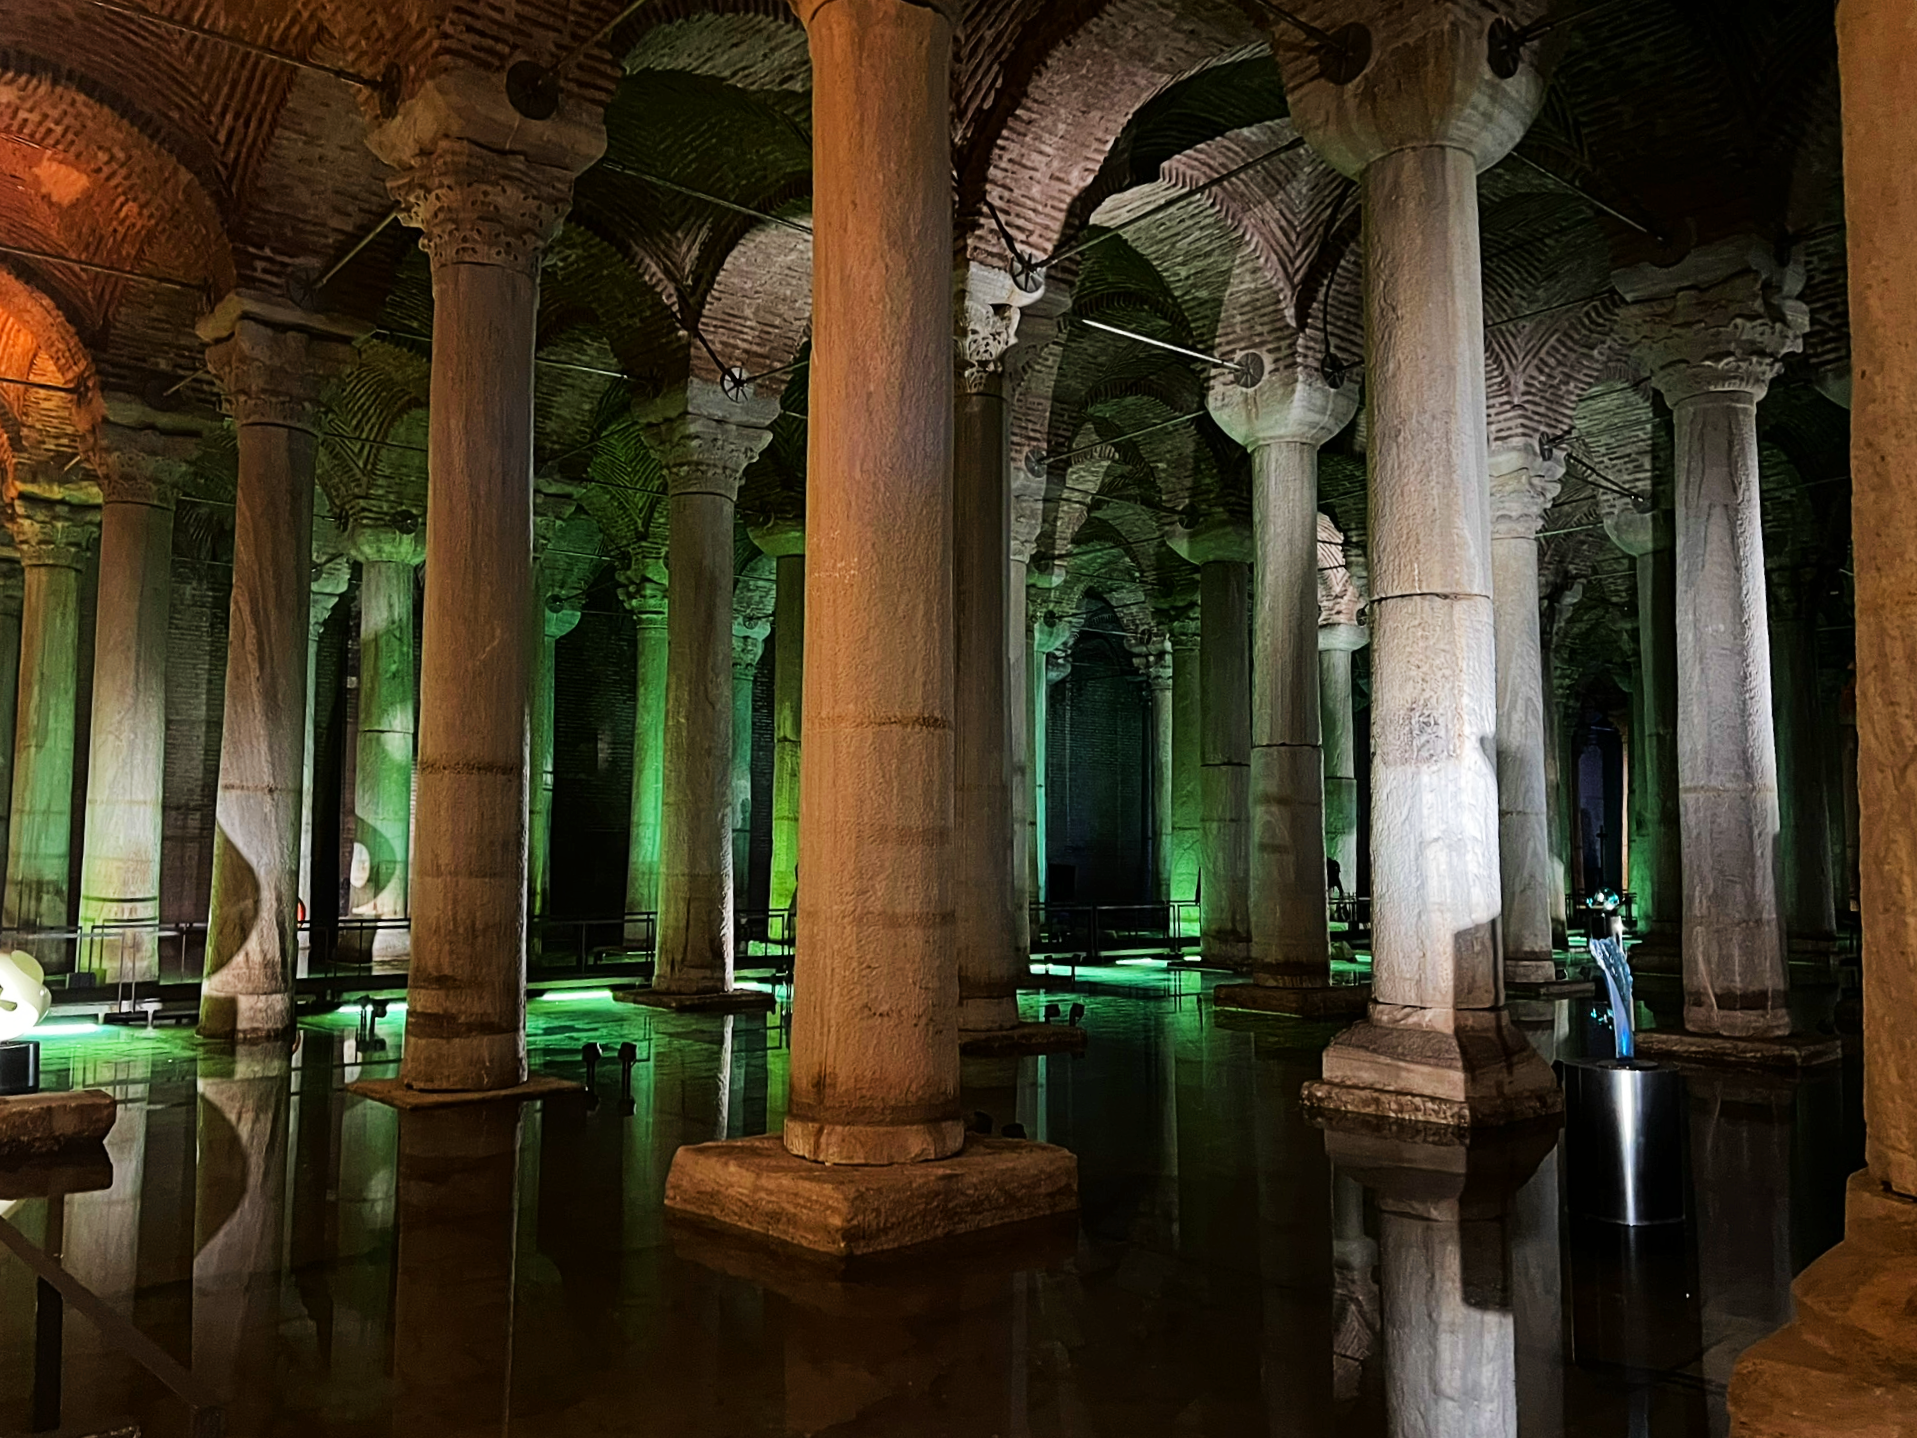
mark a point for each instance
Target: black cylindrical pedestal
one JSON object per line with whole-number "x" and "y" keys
{"x": 19, "y": 1068}
{"x": 1624, "y": 1123}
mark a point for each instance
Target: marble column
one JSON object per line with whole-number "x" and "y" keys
{"x": 126, "y": 768}
{"x": 986, "y": 310}
{"x": 1018, "y": 691}
{"x": 874, "y": 1071}
{"x": 647, "y": 601}
{"x": 272, "y": 365}
{"x": 785, "y": 542}
{"x": 1657, "y": 852}
{"x": 52, "y": 538}
{"x": 1807, "y": 894}
{"x": 12, "y": 594}
{"x": 1283, "y": 421}
{"x": 1523, "y": 486}
{"x": 1336, "y": 644}
{"x": 1188, "y": 819}
{"x": 704, "y": 441}
{"x": 329, "y": 584}
{"x": 1712, "y": 332}
{"x": 1844, "y": 1365}
{"x": 1414, "y": 128}
{"x": 748, "y": 643}
{"x": 1158, "y": 674}
{"x": 1045, "y": 666}
{"x": 388, "y": 720}
{"x": 486, "y": 208}
{"x": 555, "y": 625}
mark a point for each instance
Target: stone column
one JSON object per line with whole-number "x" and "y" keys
{"x": 1057, "y": 666}
{"x": 1282, "y": 422}
{"x": 388, "y": 718}
{"x": 1845, "y": 1363}
{"x": 986, "y": 309}
{"x": 1336, "y": 644}
{"x": 1804, "y": 740}
{"x": 12, "y": 593}
{"x": 1523, "y": 486}
{"x": 329, "y": 583}
{"x": 786, "y": 543}
{"x": 748, "y": 643}
{"x": 1712, "y": 332}
{"x": 1657, "y": 855}
{"x": 126, "y": 768}
{"x": 271, "y": 364}
{"x": 1416, "y": 125}
{"x": 1018, "y": 691}
{"x": 1045, "y": 666}
{"x": 874, "y": 1062}
{"x": 555, "y": 625}
{"x": 704, "y": 442}
{"x": 1158, "y": 674}
{"x": 1188, "y": 821}
{"x": 52, "y": 538}
{"x": 647, "y": 601}
{"x": 487, "y": 191}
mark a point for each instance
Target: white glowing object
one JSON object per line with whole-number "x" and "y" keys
{"x": 24, "y": 999}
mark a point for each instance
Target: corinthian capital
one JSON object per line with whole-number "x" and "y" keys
{"x": 1523, "y": 485}
{"x": 986, "y": 306}
{"x": 51, "y": 531}
{"x": 272, "y": 361}
{"x": 474, "y": 206}
{"x": 1720, "y": 322}
{"x": 138, "y": 465}
{"x": 704, "y": 440}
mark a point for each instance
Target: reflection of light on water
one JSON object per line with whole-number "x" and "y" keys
{"x": 71, "y": 1031}
{"x": 574, "y": 996}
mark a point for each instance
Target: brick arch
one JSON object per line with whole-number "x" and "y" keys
{"x": 37, "y": 342}
{"x": 1037, "y": 151}
{"x": 759, "y": 312}
{"x": 754, "y": 44}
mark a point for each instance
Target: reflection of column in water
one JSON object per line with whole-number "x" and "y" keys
{"x": 1294, "y": 1232}
{"x": 103, "y": 1251}
{"x": 1537, "y": 1301}
{"x": 1356, "y": 1311}
{"x": 453, "y": 1304}
{"x": 241, "y": 1226}
{"x": 722, "y": 1125}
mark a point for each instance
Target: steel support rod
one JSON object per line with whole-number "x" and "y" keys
{"x": 187, "y": 27}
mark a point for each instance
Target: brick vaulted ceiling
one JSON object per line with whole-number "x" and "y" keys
{"x": 203, "y": 165}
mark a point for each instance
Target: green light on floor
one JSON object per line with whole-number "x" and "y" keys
{"x": 62, "y": 1031}
{"x": 576, "y": 996}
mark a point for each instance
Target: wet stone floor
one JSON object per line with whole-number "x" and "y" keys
{"x": 325, "y": 1266}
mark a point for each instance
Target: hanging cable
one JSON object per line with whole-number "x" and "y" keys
{"x": 1504, "y": 45}
{"x": 187, "y": 27}
{"x": 1250, "y": 369}
{"x": 533, "y": 88}
{"x": 1605, "y": 293}
{"x": 361, "y": 243}
{"x": 97, "y": 268}
{"x": 1039, "y": 462}
{"x": 614, "y": 168}
{"x": 427, "y": 340}
{"x": 1589, "y": 198}
{"x": 42, "y": 384}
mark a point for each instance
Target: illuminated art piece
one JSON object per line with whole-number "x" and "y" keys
{"x": 24, "y": 999}
{"x": 1616, "y": 969}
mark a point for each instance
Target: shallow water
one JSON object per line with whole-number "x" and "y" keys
{"x": 329, "y": 1267}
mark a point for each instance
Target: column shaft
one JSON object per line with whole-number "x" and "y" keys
{"x": 466, "y": 1016}
{"x": 788, "y": 709}
{"x": 1188, "y": 805}
{"x": 1225, "y": 754}
{"x": 383, "y": 775}
{"x": 1040, "y": 817}
{"x": 874, "y": 1068}
{"x": 648, "y": 764}
{"x": 41, "y": 820}
{"x": 1727, "y": 758}
{"x": 1164, "y": 762}
{"x": 1434, "y": 851}
{"x": 1657, "y": 852}
{"x": 746, "y": 649}
{"x": 1341, "y": 762}
{"x": 695, "y": 870}
{"x": 1524, "y": 831}
{"x": 1018, "y": 701}
{"x": 1808, "y": 895}
{"x": 9, "y": 705}
{"x": 982, "y": 855}
{"x": 539, "y": 802}
{"x": 1290, "y": 943}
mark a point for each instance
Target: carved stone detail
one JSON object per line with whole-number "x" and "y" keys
{"x": 1523, "y": 486}
{"x": 986, "y": 306}
{"x": 474, "y": 206}
{"x": 52, "y": 532}
{"x": 1729, "y": 337}
{"x": 141, "y": 466}
{"x": 273, "y": 375}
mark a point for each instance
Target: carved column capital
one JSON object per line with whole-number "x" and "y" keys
{"x": 704, "y": 440}
{"x": 378, "y": 533}
{"x": 642, "y": 589}
{"x": 52, "y": 532}
{"x": 476, "y": 206}
{"x": 986, "y": 306}
{"x": 1297, "y": 407}
{"x": 330, "y": 581}
{"x": 136, "y": 465}
{"x": 272, "y": 371}
{"x": 1523, "y": 486}
{"x": 1698, "y": 330}
{"x": 748, "y": 643}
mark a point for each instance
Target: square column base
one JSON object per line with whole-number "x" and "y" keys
{"x": 718, "y": 1001}
{"x": 755, "y": 1186}
{"x": 394, "y": 1093}
{"x": 1792, "y": 1054}
{"x": 1321, "y": 1001}
{"x": 1530, "y": 971}
{"x": 33, "y": 1124}
{"x": 1442, "y": 1069}
{"x": 1024, "y": 1039}
{"x": 1848, "y": 1364}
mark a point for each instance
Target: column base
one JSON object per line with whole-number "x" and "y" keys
{"x": 1320, "y": 1001}
{"x": 1024, "y": 1039}
{"x": 753, "y": 1185}
{"x": 1791, "y": 1054}
{"x": 395, "y": 1094}
{"x": 1530, "y": 971}
{"x": 36, "y": 1124}
{"x": 1225, "y": 953}
{"x": 1439, "y": 1069}
{"x": 716, "y": 1001}
{"x": 1848, "y": 1363}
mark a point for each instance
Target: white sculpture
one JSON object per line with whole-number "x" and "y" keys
{"x": 24, "y": 999}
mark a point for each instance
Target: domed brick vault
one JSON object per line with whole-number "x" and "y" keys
{"x": 251, "y": 250}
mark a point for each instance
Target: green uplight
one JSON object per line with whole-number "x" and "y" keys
{"x": 573, "y": 996}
